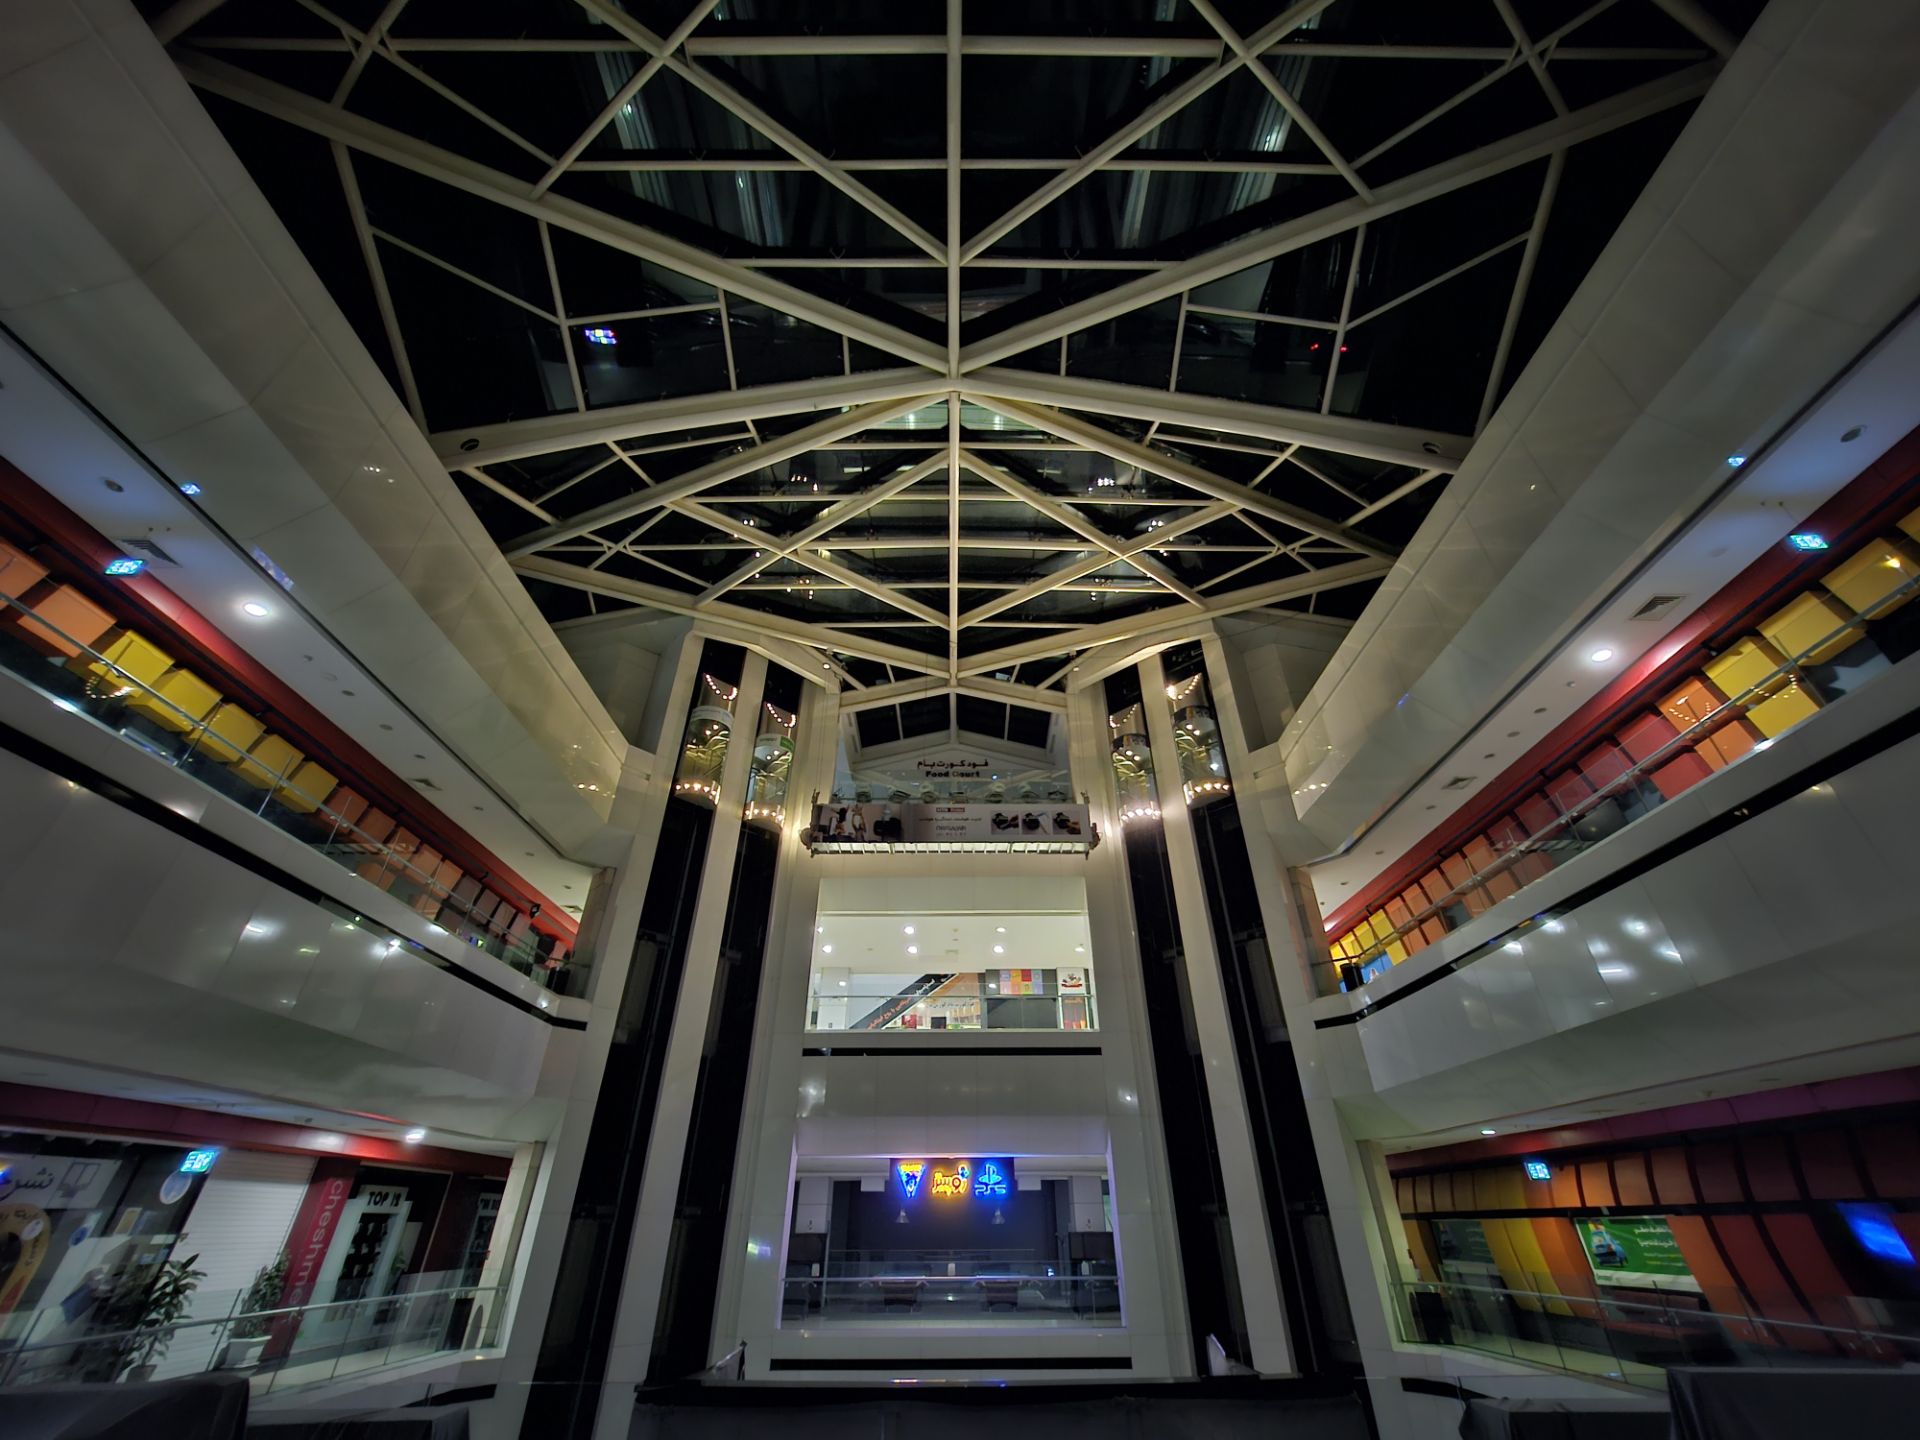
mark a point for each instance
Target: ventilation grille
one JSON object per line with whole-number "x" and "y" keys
{"x": 148, "y": 546}
{"x": 1657, "y": 607}
{"x": 1460, "y": 782}
{"x": 423, "y": 783}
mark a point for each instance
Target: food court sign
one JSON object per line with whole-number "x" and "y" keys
{"x": 981, "y": 1178}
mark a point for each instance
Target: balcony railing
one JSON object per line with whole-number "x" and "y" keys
{"x": 88, "y": 683}
{"x": 943, "y": 1004}
{"x": 1610, "y": 808}
{"x": 1633, "y": 1337}
{"x": 278, "y": 1349}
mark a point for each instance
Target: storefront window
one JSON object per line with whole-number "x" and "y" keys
{"x": 946, "y": 972}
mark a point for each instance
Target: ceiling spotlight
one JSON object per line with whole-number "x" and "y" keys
{"x": 1487, "y": 1131}
{"x": 999, "y": 929}
{"x": 256, "y": 609}
{"x": 826, "y": 949}
{"x": 1602, "y": 655}
{"x": 999, "y": 949}
{"x": 909, "y": 930}
{"x": 415, "y": 1135}
{"x": 1736, "y": 461}
{"x": 913, "y": 949}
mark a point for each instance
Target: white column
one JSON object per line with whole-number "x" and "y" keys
{"x": 1145, "y": 1237}
{"x": 632, "y": 1344}
{"x": 608, "y": 932}
{"x": 1294, "y": 938}
{"x": 748, "y": 1308}
{"x": 1233, "y": 1131}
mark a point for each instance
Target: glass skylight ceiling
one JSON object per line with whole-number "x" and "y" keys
{"x": 952, "y": 339}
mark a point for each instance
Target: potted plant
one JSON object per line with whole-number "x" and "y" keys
{"x": 164, "y": 1305}
{"x": 249, "y": 1334}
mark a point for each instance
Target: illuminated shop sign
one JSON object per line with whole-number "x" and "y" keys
{"x": 1538, "y": 1170}
{"x": 198, "y": 1162}
{"x": 955, "y": 1178}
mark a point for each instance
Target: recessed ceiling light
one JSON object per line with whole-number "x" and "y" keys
{"x": 1486, "y": 1131}
{"x": 1736, "y": 461}
{"x": 999, "y": 949}
{"x": 913, "y": 949}
{"x": 999, "y": 929}
{"x": 909, "y": 930}
{"x": 826, "y": 949}
{"x": 415, "y": 1135}
{"x": 1602, "y": 655}
{"x": 256, "y": 609}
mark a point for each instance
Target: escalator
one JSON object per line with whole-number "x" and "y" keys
{"x": 891, "y": 1009}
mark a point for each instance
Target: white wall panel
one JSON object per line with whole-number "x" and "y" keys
{"x": 1782, "y": 941}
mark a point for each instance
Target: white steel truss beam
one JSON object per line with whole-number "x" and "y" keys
{"x": 409, "y": 153}
{"x": 728, "y": 467}
{"x": 677, "y": 602}
{"x": 1444, "y": 178}
{"x": 1366, "y": 439}
{"x": 1174, "y": 618}
{"x": 1115, "y": 447}
{"x": 519, "y": 439}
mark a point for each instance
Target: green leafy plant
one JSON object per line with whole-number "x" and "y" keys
{"x": 269, "y": 1284}
{"x": 163, "y": 1306}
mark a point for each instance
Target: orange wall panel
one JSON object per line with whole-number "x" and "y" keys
{"x": 1631, "y": 1181}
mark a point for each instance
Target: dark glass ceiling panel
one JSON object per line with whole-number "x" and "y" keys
{"x": 630, "y": 361}
{"x": 1262, "y": 361}
{"x": 597, "y": 279}
{"x": 477, "y": 357}
{"x": 1058, "y": 107}
{"x": 1425, "y": 362}
{"x": 834, "y": 101}
{"x": 1307, "y": 283}
{"x": 1418, "y": 244}
{"x": 386, "y": 94}
{"x": 769, "y": 347}
{"x": 1132, "y": 349}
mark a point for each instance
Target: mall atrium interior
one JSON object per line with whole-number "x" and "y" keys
{"x": 902, "y": 714}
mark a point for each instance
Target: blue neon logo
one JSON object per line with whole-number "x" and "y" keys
{"x": 198, "y": 1162}
{"x": 1538, "y": 1170}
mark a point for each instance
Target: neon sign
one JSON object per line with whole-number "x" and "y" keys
{"x": 910, "y": 1172}
{"x": 1538, "y": 1170}
{"x": 198, "y": 1162}
{"x": 953, "y": 1179}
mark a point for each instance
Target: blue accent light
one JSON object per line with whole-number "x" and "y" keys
{"x": 1873, "y": 1227}
{"x": 1807, "y": 540}
{"x": 1538, "y": 1169}
{"x": 189, "y": 488}
{"x": 1736, "y": 461}
{"x": 600, "y": 335}
{"x": 124, "y": 565}
{"x": 198, "y": 1162}
{"x": 991, "y": 1181}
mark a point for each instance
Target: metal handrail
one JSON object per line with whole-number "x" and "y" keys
{"x": 1745, "y": 1318}
{"x": 197, "y": 729}
{"x": 101, "y": 1337}
{"x": 1729, "y": 709}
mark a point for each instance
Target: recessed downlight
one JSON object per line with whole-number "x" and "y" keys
{"x": 415, "y": 1135}
{"x": 1484, "y": 1130}
{"x": 1602, "y": 655}
{"x": 255, "y": 609}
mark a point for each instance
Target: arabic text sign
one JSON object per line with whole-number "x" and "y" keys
{"x": 1635, "y": 1250}
{"x": 916, "y": 824}
{"x": 56, "y": 1182}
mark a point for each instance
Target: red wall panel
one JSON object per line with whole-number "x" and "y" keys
{"x": 1769, "y": 1167}
{"x": 1716, "y": 1174}
{"x": 1826, "y": 1163}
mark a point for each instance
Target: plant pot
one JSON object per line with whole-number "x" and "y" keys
{"x": 243, "y": 1354}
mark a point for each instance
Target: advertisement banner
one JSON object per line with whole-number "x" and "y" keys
{"x": 980, "y": 1178}
{"x": 1635, "y": 1250}
{"x": 917, "y": 824}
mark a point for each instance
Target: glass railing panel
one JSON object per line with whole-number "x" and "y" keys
{"x": 1634, "y": 1337}
{"x": 1023, "y": 1296}
{"x": 1628, "y": 797}
{"x": 984, "y": 1000}
{"x": 90, "y": 684}
{"x": 277, "y": 1349}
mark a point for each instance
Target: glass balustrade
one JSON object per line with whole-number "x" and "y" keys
{"x": 86, "y": 682}
{"x": 983, "y": 1000}
{"x": 1632, "y": 1337}
{"x": 278, "y": 1349}
{"x": 1612, "y": 806}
